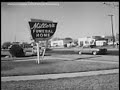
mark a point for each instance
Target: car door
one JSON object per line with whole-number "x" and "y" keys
{"x": 91, "y": 49}
{"x": 86, "y": 49}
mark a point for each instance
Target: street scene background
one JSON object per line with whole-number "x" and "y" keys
{"x": 83, "y": 53}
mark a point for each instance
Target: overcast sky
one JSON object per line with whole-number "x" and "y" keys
{"x": 75, "y": 19}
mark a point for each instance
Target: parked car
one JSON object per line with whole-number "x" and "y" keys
{"x": 34, "y": 50}
{"x": 91, "y": 49}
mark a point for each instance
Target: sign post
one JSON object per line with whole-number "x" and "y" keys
{"x": 42, "y": 30}
{"x": 43, "y": 53}
{"x": 38, "y": 51}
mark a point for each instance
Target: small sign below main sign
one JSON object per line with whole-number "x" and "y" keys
{"x": 42, "y": 30}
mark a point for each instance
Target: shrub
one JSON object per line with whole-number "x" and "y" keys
{"x": 6, "y": 45}
{"x": 65, "y": 45}
{"x": 17, "y": 51}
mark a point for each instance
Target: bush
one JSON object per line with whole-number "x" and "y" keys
{"x": 17, "y": 51}
{"x": 65, "y": 45}
{"x": 6, "y": 45}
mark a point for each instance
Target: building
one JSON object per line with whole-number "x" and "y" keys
{"x": 67, "y": 42}
{"x": 57, "y": 43}
{"x": 101, "y": 42}
{"x": 85, "y": 41}
{"x": 93, "y": 40}
{"x": 109, "y": 40}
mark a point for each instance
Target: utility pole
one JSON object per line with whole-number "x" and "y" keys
{"x": 112, "y": 28}
{"x": 114, "y": 5}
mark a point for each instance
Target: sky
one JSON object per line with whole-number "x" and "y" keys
{"x": 75, "y": 19}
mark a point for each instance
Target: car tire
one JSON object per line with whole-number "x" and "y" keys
{"x": 80, "y": 52}
{"x": 94, "y": 53}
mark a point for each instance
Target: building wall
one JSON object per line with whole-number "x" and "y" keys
{"x": 101, "y": 43}
{"x": 86, "y": 41}
{"x": 59, "y": 43}
{"x": 94, "y": 40}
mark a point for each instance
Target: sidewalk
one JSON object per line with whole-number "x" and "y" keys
{"x": 56, "y": 76}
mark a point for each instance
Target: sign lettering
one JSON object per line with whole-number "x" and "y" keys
{"x": 42, "y": 30}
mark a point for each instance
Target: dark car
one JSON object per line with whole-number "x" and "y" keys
{"x": 91, "y": 49}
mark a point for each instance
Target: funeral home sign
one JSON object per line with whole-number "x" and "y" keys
{"x": 42, "y": 30}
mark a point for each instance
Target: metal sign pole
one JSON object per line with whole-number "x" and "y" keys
{"x": 38, "y": 55}
{"x": 43, "y": 53}
{"x": 46, "y": 45}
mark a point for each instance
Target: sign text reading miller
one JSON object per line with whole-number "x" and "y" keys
{"x": 42, "y": 30}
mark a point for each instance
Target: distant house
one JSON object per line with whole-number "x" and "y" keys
{"x": 93, "y": 40}
{"x": 109, "y": 38}
{"x": 57, "y": 43}
{"x": 67, "y": 42}
{"x": 85, "y": 41}
{"x": 101, "y": 42}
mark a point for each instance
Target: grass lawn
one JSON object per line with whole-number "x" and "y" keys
{"x": 100, "y": 82}
{"x": 50, "y": 66}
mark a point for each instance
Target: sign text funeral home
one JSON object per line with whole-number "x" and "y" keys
{"x": 42, "y": 30}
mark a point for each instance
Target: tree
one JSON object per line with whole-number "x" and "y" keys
{"x": 17, "y": 51}
{"x": 6, "y": 45}
{"x": 56, "y": 38}
{"x": 68, "y": 40}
